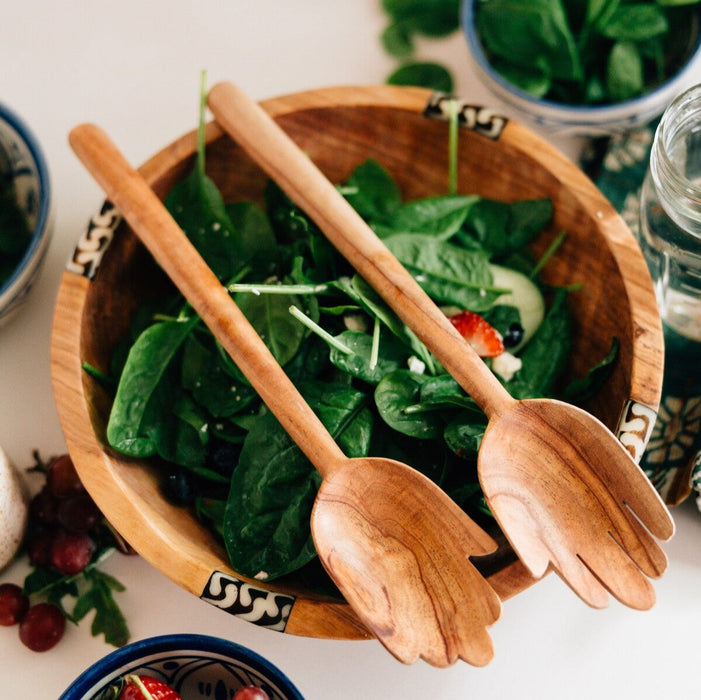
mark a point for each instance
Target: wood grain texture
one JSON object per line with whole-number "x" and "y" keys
{"x": 394, "y": 543}
{"x": 339, "y": 128}
{"x": 557, "y": 481}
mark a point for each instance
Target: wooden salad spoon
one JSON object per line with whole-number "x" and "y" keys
{"x": 562, "y": 488}
{"x": 395, "y": 544}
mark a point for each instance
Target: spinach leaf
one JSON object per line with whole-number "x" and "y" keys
{"x": 409, "y": 18}
{"x": 423, "y": 74}
{"x": 531, "y": 32}
{"x": 393, "y": 355}
{"x": 635, "y": 22}
{"x": 203, "y": 374}
{"x": 269, "y": 315}
{"x": 256, "y": 235}
{"x": 366, "y": 297}
{"x": 396, "y": 392}
{"x": 464, "y": 436}
{"x": 505, "y": 227}
{"x": 133, "y": 427}
{"x": 266, "y": 520}
{"x": 376, "y": 196}
{"x": 624, "y": 71}
{"x": 198, "y": 207}
{"x": 546, "y": 353}
{"x": 580, "y": 390}
{"x": 441, "y": 216}
{"x": 447, "y": 273}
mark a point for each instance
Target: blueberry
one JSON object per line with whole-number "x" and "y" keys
{"x": 513, "y": 335}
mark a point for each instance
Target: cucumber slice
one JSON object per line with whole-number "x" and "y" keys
{"x": 524, "y": 295}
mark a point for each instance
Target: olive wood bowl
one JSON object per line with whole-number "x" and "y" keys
{"x": 405, "y": 129}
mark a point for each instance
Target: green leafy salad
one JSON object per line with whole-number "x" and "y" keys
{"x": 373, "y": 384}
{"x": 587, "y": 51}
{"x": 15, "y": 234}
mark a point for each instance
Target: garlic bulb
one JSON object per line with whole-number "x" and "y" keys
{"x": 13, "y": 511}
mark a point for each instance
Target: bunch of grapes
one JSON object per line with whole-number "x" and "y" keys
{"x": 66, "y": 531}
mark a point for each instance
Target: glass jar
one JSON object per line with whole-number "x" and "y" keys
{"x": 670, "y": 238}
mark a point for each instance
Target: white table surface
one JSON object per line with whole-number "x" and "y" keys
{"x": 134, "y": 68}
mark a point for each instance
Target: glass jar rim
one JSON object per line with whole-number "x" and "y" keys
{"x": 681, "y": 115}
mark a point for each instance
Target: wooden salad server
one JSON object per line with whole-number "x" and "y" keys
{"x": 395, "y": 544}
{"x": 564, "y": 491}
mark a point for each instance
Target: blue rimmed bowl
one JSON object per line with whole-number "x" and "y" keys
{"x": 196, "y": 666}
{"x": 597, "y": 120}
{"x": 22, "y": 162}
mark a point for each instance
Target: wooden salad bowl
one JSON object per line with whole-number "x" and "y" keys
{"x": 405, "y": 129}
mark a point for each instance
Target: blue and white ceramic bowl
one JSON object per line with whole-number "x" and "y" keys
{"x": 22, "y": 160}
{"x": 558, "y": 118}
{"x": 198, "y": 667}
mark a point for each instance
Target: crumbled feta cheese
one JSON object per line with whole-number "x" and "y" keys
{"x": 261, "y": 576}
{"x": 416, "y": 365}
{"x": 506, "y": 365}
{"x": 355, "y": 322}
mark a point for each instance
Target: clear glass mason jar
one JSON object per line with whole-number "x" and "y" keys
{"x": 670, "y": 238}
{"x": 670, "y": 230}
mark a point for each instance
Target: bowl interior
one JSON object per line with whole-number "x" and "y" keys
{"x": 338, "y": 132}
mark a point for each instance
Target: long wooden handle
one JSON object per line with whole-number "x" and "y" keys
{"x": 251, "y": 127}
{"x": 159, "y": 232}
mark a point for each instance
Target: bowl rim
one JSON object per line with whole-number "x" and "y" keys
{"x": 173, "y": 642}
{"x": 43, "y": 219}
{"x": 315, "y": 616}
{"x": 567, "y": 111}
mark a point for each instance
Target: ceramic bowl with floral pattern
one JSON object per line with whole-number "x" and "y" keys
{"x": 25, "y": 212}
{"x": 198, "y": 667}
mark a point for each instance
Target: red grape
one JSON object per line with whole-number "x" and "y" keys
{"x": 78, "y": 513}
{"x": 43, "y": 507}
{"x": 71, "y": 552}
{"x": 42, "y": 627}
{"x": 250, "y": 692}
{"x": 61, "y": 477}
{"x": 13, "y": 604}
{"x": 39, "y": 548}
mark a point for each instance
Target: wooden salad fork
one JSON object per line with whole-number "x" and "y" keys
{"x": 564, "y": 491}
{"x": 396, "y": 545}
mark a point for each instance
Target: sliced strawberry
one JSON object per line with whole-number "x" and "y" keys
{"x": 146, "y": 688}
{"x": 483, "y": 337}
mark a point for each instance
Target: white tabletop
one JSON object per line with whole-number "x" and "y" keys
{"x": 134, "y": 68}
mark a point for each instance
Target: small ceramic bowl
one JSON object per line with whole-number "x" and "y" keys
{"x": 23, "y": 162}
{"x": 196, "y": 666}
{"x": 562, "y": 119}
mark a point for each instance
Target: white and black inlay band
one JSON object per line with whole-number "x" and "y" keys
{"x": 476, "y": 118}
{"x": 95, "y": 241}
{"x": 261, "y": 607}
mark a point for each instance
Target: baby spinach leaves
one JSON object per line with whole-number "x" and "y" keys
{"x": 581, "y": 52}
{"x": 409, "y": 19}
{"x": 371, "y": 381}
{"x": 15, "y": 233}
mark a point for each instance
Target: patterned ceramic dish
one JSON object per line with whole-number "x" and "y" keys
{"x": 22, "y": 160}
{"x": 559, "y": 118}
{"x": 196, "y": 666}
{"x": 406, "y": 129}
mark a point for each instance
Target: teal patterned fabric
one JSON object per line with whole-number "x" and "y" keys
{"x": 672, "y": 459}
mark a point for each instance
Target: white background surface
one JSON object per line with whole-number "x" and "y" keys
{"x": 134, "y": 68}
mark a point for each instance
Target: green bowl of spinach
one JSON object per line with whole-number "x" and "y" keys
{"x": 587, "y": 65}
